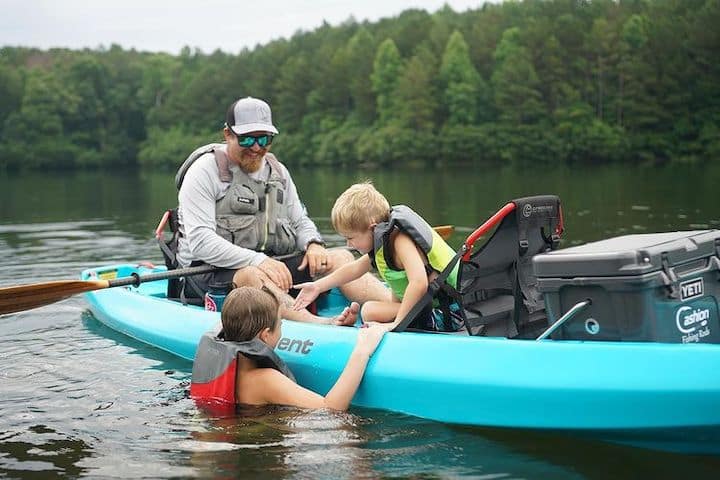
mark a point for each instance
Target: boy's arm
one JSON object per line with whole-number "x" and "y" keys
{"x": 345, "y": 274}
{"x": 408, "y": 257}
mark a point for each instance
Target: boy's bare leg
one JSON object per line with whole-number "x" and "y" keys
{"x": 365, "y": 288}
{"x": 254, "y": 277}
{"x": 383, "y": 312}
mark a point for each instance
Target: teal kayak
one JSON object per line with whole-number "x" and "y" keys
{"x": 656, "y": 395}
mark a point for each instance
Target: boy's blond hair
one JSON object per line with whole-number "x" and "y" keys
{"x": 358, "y": 207}
{"x": 247, "y": 311}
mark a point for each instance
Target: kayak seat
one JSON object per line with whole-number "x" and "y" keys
{"x": 497, "y": 289}
{"x": 169, "y": 247}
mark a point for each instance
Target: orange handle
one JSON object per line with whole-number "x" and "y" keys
{"x": 161, "y": 225}
{"x": 483, "y": 229}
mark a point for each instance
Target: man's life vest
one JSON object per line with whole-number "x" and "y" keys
{"x": 438, "y": 252}
{"x": 215, "y": 367}
{"x": 253, "y": 213}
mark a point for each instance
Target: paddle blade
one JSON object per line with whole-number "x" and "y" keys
{"x": 25, "y": 297}
{"x": 444, "y": 231}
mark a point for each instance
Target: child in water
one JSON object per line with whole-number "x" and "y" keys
{"x": 250, "y": 313}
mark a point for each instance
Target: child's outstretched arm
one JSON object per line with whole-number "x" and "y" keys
{"x": 280, "y": 390}
{"x": 345, "y": 274}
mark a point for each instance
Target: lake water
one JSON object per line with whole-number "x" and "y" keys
{"x": 79, "y": 400}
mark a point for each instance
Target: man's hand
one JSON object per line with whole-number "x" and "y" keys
{"x": 277, "y": 272}
{"x": 308, "y": 292}
{"x": 317, "y": 258}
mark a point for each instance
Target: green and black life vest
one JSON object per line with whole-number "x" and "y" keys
{"x": 438, "y": 252}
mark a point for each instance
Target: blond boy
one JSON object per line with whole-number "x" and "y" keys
{"x": 406, "y": 252}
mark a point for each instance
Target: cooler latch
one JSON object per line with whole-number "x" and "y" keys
{"x": 669, "y": 277}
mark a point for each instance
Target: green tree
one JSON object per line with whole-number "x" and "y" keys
{"x": 462, "y": 83}
{"x": 515, "y": 82}
{"x": 293, "y": 86}
{"x": 416, "y": 97}
{"x": 167, "y": 148}
{"x": 11, "y": 92}
{"x": 158, "y": 78}
{"x": 584, "y": 138}
{"x": 555, "y": 86}
{"x": 640, "y": 110}
{"x": 604, "y": 41}
{"x": 34, "y": 135}
{"x": 360, "y": 70}
{"x": 386, "y": 72}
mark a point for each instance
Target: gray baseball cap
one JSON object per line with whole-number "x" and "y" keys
{"x": 249, "y": 115}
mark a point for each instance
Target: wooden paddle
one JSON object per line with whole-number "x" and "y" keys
{"x": 444, "y": 231}
{"x": 33, "y": 295}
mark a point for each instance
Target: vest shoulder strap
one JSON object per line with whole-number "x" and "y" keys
{"x": 215, "y": 366}
{"x": 223, "y": 165}
{"x": 197, "y": 153}
{"x": 277, "y": 168}
{"x": 406, "y": 220}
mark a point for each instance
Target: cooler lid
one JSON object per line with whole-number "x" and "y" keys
{"x": 627, "y": 255}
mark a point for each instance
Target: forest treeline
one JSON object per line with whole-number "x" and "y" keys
{"x": 534, "y": 81}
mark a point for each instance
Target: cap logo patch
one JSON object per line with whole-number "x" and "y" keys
{"x": 262, "y": 113}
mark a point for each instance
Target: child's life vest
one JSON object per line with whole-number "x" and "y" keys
{"x": 438, "y": 253}
{"x": 215, "y": 367}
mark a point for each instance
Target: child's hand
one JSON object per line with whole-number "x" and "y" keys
{"x": 369, "y": 338}
{"x": 387, "y": 326}
{"x": 308, "y": 292}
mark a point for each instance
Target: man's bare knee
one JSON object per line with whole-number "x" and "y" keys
{"x": 249, "y": 277}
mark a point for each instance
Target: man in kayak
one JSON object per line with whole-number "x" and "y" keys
{"x": 406, "y": 252}
{"x": 238, "y": 208}
{"x": 251, "y": 328}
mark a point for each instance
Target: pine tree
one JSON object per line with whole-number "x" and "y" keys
{"x": 386, "y": 72}
{"x": 462, "y": 84}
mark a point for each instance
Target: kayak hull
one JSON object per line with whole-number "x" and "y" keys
{"x": 655, "y": 395}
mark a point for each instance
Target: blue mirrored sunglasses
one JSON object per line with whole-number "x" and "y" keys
{"x": 247, "y": 141}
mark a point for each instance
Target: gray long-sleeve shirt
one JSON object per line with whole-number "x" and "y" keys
{"x": 200, "y": 190}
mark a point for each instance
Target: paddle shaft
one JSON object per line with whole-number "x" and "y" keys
{"x": 135, "y": 279}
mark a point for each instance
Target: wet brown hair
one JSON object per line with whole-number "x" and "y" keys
{"x": 247, "y": 311}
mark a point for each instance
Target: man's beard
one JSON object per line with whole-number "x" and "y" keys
{"x": 250, "y": 165}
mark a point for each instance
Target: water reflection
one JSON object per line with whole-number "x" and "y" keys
{"x": 281, "y": 442}
{"x": 277, "y": 442}
{"x": 597, "y": 201}
{"x": 41, "y": 452}
{"x": 593, "y": 459}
